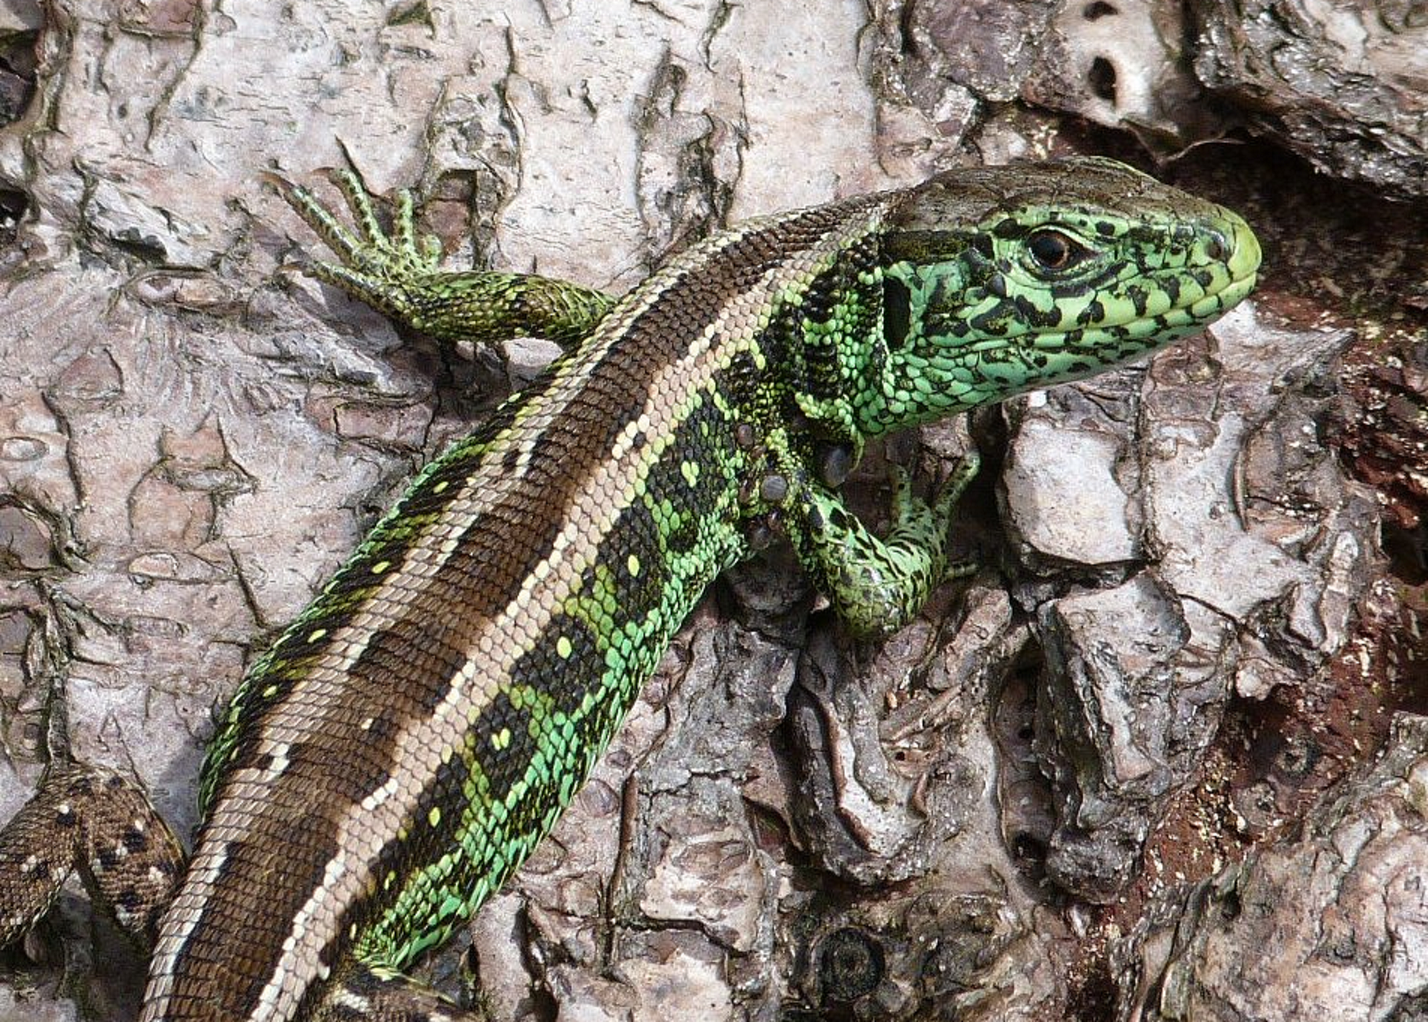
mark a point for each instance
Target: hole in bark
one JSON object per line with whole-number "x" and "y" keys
{"x": 1029, "y": 851}
{"x": 1230, "y": 906}
{"x": 1296, "y": 757}
{"x": 1097, "y": 10}
{"x": 1407, "y": 551}
{"x": 850, "y": 965}
{"x": 1102, "y": 79}
{"x": 17, "y": 74}
{"x": 1095, "y": 996}
{"x": 1025, "y": 797}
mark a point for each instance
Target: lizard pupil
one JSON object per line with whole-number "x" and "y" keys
{"x": 1052, "y": 249}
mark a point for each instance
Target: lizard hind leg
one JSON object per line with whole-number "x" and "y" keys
{"x": 99, "y": 824}
{"x": 364, "y": 994}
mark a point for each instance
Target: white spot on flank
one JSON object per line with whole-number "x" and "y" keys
{"x": 277, "y": 765}
{"x": 351, "y": 1000}
{"x": 378, "y": 797}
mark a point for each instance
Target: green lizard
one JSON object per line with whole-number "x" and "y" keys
{"x": 403, "y": 745}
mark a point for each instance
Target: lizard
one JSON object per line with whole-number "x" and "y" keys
{"x": 397, "y": 752}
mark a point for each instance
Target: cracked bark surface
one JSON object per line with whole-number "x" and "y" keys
{"x": 1350, "y": 945}
{"x": 1024, "y": 806}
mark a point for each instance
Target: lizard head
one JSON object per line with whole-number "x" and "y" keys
{"x": 1000, "y": 280}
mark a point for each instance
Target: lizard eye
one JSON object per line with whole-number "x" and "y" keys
{"x": 1053, "y": 250}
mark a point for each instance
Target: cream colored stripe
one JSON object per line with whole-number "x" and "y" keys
{"x": 571, "y": 377}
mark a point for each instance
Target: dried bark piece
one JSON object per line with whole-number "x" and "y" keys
{"x": 1330, "y": 927}
{"x": 1345, "y": 85}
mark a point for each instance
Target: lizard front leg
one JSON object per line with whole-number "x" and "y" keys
{"x": 878, "y": 585}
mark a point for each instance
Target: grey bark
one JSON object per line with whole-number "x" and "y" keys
{"x": 961, "y": 823}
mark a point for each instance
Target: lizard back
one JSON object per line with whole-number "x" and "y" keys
{"x": 407, "y": 741}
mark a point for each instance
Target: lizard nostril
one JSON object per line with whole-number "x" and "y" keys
{"x": 1217, "y": 248}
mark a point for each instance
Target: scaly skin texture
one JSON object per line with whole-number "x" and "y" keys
{"x": 406, "y": 742}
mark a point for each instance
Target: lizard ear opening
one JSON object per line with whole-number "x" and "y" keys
{"x": 897, "y": 311}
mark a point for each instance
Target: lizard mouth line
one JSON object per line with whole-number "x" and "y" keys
{"x": 1231, "y": 279}
{"x": 1233, "y": 275}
